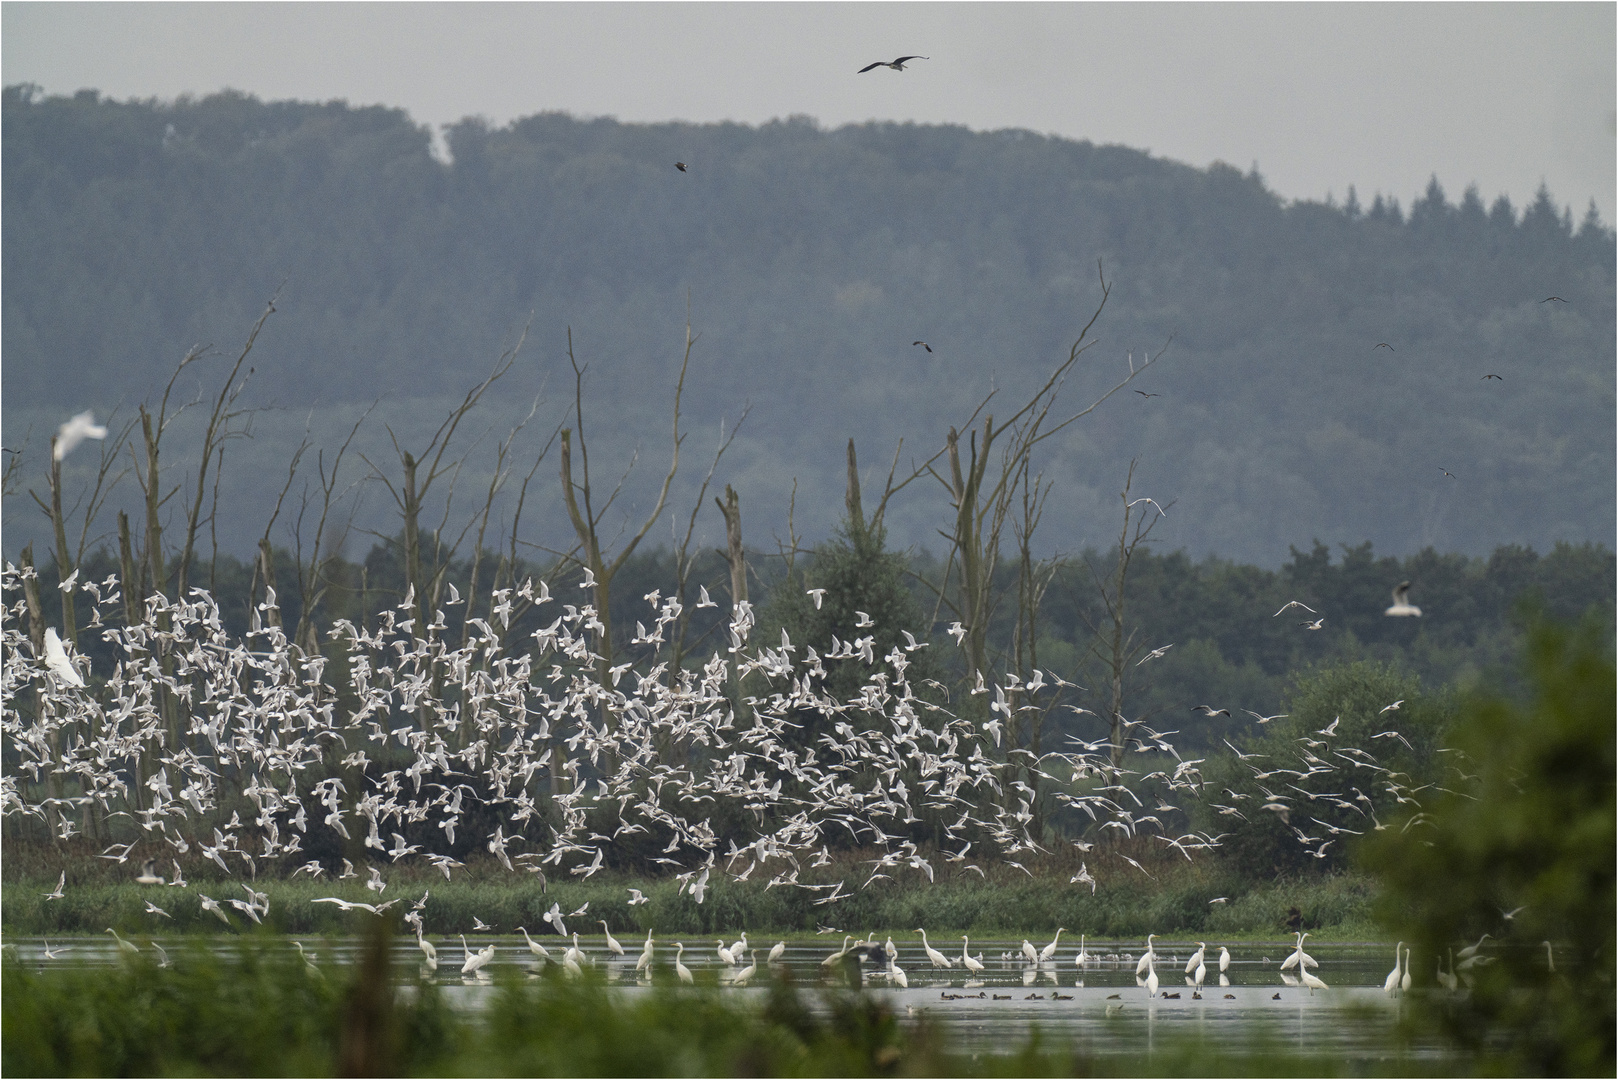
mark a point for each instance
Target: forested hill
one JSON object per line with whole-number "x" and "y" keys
{"x": 811, "y": 259}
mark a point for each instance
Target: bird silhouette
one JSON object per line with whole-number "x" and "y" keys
{"x": 896, "y": 65}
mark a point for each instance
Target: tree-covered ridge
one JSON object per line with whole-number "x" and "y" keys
{"x": 812, "y": 258}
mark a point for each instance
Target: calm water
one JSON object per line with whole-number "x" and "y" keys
{"x": 1102, "y": 1005}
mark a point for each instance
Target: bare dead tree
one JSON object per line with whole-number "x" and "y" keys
{"x": 1112, "y": 645}
{"x": 587, "y": 520}
{"x": 683, "y": 559}
{"x": 314, "y": 579}
{"x": 218, "y": 429}
{"x": 411, "y": 492}
{"x": 982, "y": 502}
{"x": 497, "y": 481}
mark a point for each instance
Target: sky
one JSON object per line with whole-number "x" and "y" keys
{"x": 1319, "y": 96}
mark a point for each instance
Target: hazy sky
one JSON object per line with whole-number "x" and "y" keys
{"x": 1319, "y": 95}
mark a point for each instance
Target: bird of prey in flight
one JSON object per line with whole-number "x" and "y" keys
{"x": 896, "y": 65}
{"x": 923, "y": 344}
{"x": 680, "y": 165}
{"x": 1385, "y": 345}
{"x": 1547, "y": 300}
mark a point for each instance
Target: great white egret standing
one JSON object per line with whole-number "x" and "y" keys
{"x": 939, "y": 959}
{"x": 970, "y": 964}
{"x": 1050, "y": 950}
{"x": 1390, "y": 985}
{"x": 533, "y": 946}
{"x": 680, "y": 969}
{"x": 612, "y": 942}
{"x": 1147, "y": 957}
{"x": 1196, "y": 957}
{"x": 645, "y": 960}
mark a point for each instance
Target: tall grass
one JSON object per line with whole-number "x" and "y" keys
{"x": 1172, "y": 904}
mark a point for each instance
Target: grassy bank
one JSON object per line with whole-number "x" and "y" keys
{"x": 1176, "y": 902}
{"x": 255, "y": 1010}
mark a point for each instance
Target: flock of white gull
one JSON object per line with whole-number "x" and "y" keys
{"x": 189, "y": 720}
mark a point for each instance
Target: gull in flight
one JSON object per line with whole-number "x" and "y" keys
{"x": 1446, "y": 472}
{"x": 1547, "y": 300}
{"x": 635, "y": 897}
{"x": 896, "y": 65}
{"x": 817, "y": 595}
{"x": 1491, "y": 377}
{"x": 1384, "y": 345}
{"x": 73, "y": 432}
{"x": 57, "y": 893}
{"x": 56, "y": 659}
{"x": 1155, "y": 653}
{"x": 1296, "y": 603}
{"x": 1316, "y": 625}
{"x": 1143, "y": 393}
{"x": 1401, "y": 601}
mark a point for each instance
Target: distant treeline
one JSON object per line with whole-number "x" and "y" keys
{"x": 809, "y": 260}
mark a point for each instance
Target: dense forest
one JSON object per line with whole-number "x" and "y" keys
{"x": 807, "y": 260}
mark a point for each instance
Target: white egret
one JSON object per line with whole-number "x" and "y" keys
{"x": 967, "y": 961}
{"x": 1201, "y": 973}
{"x": 1299, "y": 957}
{"x": 1472, "y": 950}
{"x": 777, "y": 951}
{"x": 1449, "y": 981}
{"x": 680, "y": 969}
{"x": 1196, "y": 957}
{"x": 126, "y": 949}
{"x": 1147, "y": 957}
{"x": 533, "y": 946}
{"x": 1050, "y": 950}
{"x": 1224, "y": 959}
{"x": 1151, "y": 977}
{"x": 939, "y": 959}
{"x": 739, "y": 948}
{"x": 645, "y": 960}
{"x": 1313, "y": 982}
{"x": 747, "y": 972}
{"x": 1404, "y": 980}
{"x": 839, "y": 954}
{"x": 75, "y": 430}
{"x": 474, "y": 960}
{"x": 1081, "y": 958}
{"x": 612, "y": 942}
{"x": 1029, "y": 952}
{"x": 1390, "y": 985}
{"x": 725, "y": 954}
{"x": 428, "y": 950}
{"x": 897, "y": 974}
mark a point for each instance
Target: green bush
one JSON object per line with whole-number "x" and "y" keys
{"x": 1521, "y": 848}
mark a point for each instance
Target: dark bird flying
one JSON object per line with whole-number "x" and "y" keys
{"x": 896, "y": 65}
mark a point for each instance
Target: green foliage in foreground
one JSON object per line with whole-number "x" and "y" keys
{"x": 257, "y": 1011}
{"x": 1533, "y": 838}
